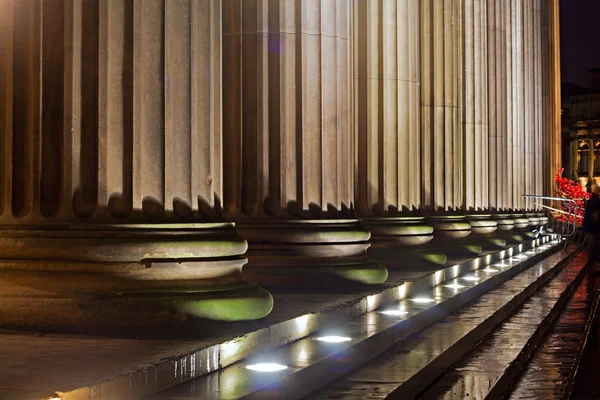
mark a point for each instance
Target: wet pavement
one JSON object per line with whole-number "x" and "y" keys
{"x": 116, "y": 368}
{"x": 411, "y": 365}
{"x": 312, "y": 364}
{"x": 587, "y": 380}
{"x": 547, "y": 373}
{"x": 489, "y": 370}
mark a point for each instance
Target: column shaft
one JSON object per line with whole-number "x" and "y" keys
{"x": 441, "y": 84}
{"x": 476, "y": 104}
{"x": 288, "y": 109}
{"x": 111, "y": 116}
{"x": 115, "y": 126}
{"x": 388, "y": 105}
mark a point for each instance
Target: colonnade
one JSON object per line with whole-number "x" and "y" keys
{"x": 147, "y": 144}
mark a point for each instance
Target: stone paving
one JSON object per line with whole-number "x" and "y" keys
{"x": 408, "y": 367}
{"x": 35, "y": 363}
{"x": 491, "y": 368}
{"x": 548, "y": 370}
{"x": 587, "y": 386}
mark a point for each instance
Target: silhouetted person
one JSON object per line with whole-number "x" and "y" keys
{"x": 591, "y": 226}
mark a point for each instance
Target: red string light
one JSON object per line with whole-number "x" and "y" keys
{"x": 569, "y": 189}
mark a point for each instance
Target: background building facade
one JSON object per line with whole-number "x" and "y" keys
{"x": 581, "y": 131}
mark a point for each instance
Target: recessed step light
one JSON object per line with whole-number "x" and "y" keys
{"x": 423, "y": 300}
{"x": 334, "y": 339}
{"x": 455, "y": 286}
{"x": 266, "y": 367}
{"x": 396, "y": 313}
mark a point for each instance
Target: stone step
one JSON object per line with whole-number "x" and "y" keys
{"x": 490, "y": 369}
{"x": 583, "y": 382}
{"x": 408, "y": 368}
{"x": 313, "y": 362}
{"x": 120, "y": 368}
{"x": 550, "y": 370}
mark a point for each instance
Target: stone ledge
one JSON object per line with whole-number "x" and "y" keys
{"x": 145, "y": 366}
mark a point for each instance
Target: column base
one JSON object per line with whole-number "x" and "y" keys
{"x": 450, "y": 236}
{"x": 534, "y": 219}
{"x": 401, "y": 243}
{"x": 506, "y": 228}
{"x": 112, "y": 278}
{"x": 485, "y": 232}
{"x": 505, "y": 222}
{"x": 309, "y": 254}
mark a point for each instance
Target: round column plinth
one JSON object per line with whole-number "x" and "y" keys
{"x": 448, "y": 227}
{"x": 401, "y": 243}
{"x": 329, "y": 254}
{"x": 534, "y": 219}
{"x": 521, "y": 222}
{"x": 482, "y": 224}
{"x": 485, "y": 232}
{"x": 505, "y": 222}
{"x": 523, "y": 225}
{"x": 109, "y": 277}
{"x": 543, "y": 218}
{"x": 450, "y": 233}
{"x": 506, "y": 228}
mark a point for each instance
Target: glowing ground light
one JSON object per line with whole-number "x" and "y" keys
{"x": 471, "y": 278}
{"x": 490, "y": 270}
{"x": 334, "y": 339}
{"x": 455, "y": 286}
{"x": 423, "y": 300}
{"x": 266, "y": 367}
{"x": 501, "y": 265}
{"x": 395, "y": 313}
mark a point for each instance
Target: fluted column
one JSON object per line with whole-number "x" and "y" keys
{"x": 288, "y": 122}
{"x": 441, "y": 91}
{"x": 475, "y": 104}
{"x": 516, "y": 102}
{"x": 387, "y": 65}
{"x": 538, "y": 148}
{"x": 387, "y": 70}
{"x": 551, "y": 93}
{"x": 112, "y": 140}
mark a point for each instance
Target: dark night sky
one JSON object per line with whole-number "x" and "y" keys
{"x": 580, "y": 39}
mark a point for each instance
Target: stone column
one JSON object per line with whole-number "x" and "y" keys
{"x": 446, "y": 154}
{"x": 497, "y": 104}
{"x": 441, "y": 90}
{"x": 498, "y": 90}
{"x": 111, "y": 168}
{"x": 288, "y": 123}
{"x": 387, "y": 111}
{"x": 551, "y": 127}
{"x": 475, "y": 104}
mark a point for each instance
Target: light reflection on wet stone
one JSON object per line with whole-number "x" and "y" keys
{"x": 549, "y": 367}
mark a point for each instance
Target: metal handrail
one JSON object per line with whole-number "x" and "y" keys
{"x": 571, "y": 211}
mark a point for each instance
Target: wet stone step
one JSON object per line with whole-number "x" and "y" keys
{"x": 586, "y": 385}
{"x": 489, "y": 371}
{"x": 549, "y": 368}
{"x": 307, "y": 365}
{"x": 408, "y": 368}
